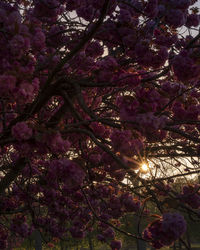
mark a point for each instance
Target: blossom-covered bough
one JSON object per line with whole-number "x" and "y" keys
{"x": 89, "y": 91}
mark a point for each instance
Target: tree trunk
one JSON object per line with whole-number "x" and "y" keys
{"x": 174, "y": 246}
{"x": 141, "y": 245}
{"x": 38, "y": 240}
{"x": 90, "y": 242}
{"x": 188, "y": 239}
{"x": 180, "y": 245}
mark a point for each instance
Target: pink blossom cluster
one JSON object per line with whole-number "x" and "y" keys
{"x": 67, "y": 171}
{"x": 88, "y": 90}
{"x": 191, "y": 196}
{"x": 166, "y": 230}
{"x": 184, "y": 67}
{"x": 21, "y": 131}
{"x": 3, "y": 238}
{"x": 20, "y": 227}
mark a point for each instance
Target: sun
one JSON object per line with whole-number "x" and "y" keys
{"x": 144, "y": 167}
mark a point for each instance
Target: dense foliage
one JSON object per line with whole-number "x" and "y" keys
{"x": 89, "y": 91}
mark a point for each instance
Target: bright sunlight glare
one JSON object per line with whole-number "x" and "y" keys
{"x": 144, "y": 167}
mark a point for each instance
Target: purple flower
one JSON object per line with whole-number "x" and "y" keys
{"x": 21, "y": 131}
{"x": 116, "y": 244}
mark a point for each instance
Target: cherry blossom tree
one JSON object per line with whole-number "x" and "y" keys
{"x": 90, "y": 91}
